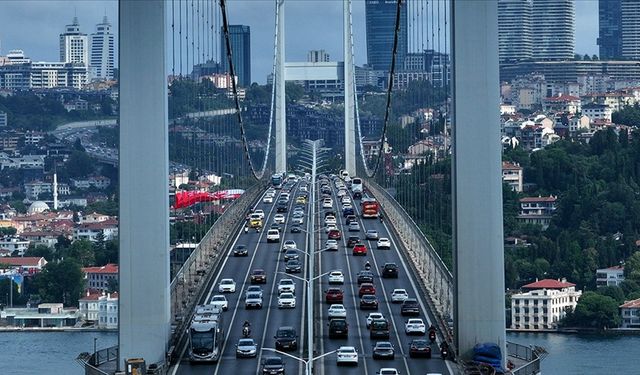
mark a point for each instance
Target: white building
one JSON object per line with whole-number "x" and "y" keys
{"x": 537, "y": 210}
{"x": 90, "y": 232}
{"x": 22, "y": 162}
{"x": 543, "y": 304}
{"x": 514, "y": 30}
{"x": 14, "y": 245}
{"x": 315, "y": 56}
{"x": 35, "y": 188}
{"x": 102, "y": 59}
{"x": 74, "y": 45}
{"x": 100, "y": 308}
{"x": 611, "y": 276}
{"x": 512, "y": 175}
{"x": 3, "y": 120}
{"x": 597, "y": 111}
{"x": 553, "y": 26}
{"x": 630, "y": 312}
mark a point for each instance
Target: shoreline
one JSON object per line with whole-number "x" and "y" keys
{"x": 581, "y": 331}
{"x": 56, "y": 329}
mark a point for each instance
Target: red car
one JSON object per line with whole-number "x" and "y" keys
{"x": 334, "y": 295}
{"x": 334, "y": 234}
{"x": 359, "y": 249}
{"x": 366, "y": 288}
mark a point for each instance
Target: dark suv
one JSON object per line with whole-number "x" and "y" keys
{"x": 338, "y": 328}
{"x": 352, "y": 240}
{"x": 390, "y": 270}
{"x": 365, "y": 277}
{"x": 410, "y": 307}
{"x": 272, "y": 365}
{"x": 286, "y": 338}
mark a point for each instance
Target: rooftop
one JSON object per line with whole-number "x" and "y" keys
{"x": 107, "y": 268}
{"x": 548, "y": 284}
{"x": 633, "y": 304}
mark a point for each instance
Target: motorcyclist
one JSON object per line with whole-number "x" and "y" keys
{"x": 246, "y": 324}
{"x": 246, "y": 228}
{"x": 381, "y": 216}
{"x": 367, "y": 266}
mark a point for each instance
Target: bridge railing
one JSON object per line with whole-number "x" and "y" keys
{"x": 533, "y": 356}
{"x": 187, "y": 287}
{"x": 433, "y": 274}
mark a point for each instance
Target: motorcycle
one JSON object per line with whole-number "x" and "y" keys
{"x": 246, "y": 331}
{"x": 432, "y": 335}
{"x": 444, "y": 352}
{"x": 367, "y": 266}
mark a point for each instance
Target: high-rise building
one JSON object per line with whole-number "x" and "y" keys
{"x": 381, "y": 23}
{"x": 554, "y": 25}
{"x": 630, "y": 10}
{"x": 102, "y": 51}
{"x": 74, "y": 45}
{"x": 240, "y": 38}
{"x": 315, "y": 56}
{"x": 514, "y": 30}
{"x": 610, "y": 25}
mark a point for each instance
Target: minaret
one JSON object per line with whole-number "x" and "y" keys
{"x": 55, "y": 191}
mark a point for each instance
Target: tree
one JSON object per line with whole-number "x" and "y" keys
{"x": 39, "y": 251}
{"x": 614, "y": 292}
{"x": 61, "y": 282}
{"x": 586, "y": 57}
{"x": 632, "y": 267}
{"x": 108, "y": 253}
{"x": 5, "y": 293}
{"x": 595, "y": 57}
{"x": 82, "y": 252}
{"x": 595, "y": 311}
{"x": 79, "y": 164}
{"x": 8, "y": 231}
{"x": 112, "y": 285}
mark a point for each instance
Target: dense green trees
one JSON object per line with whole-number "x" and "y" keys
{"x": 61, "y": 282}
{"x": 594, "y": 310}
{"x": 629, "y": 115}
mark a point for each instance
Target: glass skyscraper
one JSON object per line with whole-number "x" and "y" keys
{"x": 514, "y": 30}
{"x": 553, "y": 22}
{"x": 381, "y": 23}
{"x": 610, "y": 25}
{"x": 240, "y": 38}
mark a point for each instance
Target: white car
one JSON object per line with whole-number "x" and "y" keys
{"x": 336, "y": 277}
{"x": 384, "y": 243}
{"x": 327, "y": 203}
{"x": 298, "y": 220}
{"x": 330, "y": 220}
{"x": 399, "y": 295}
{"x": 304, "y": 188}
{"x": 388, "y": 371}
{"x": 286, "y": 300}
{"x": 227, "y": 286}
{"x": 337, "y": 311}
{"x": 371, "y": 234}
{"x": 259, "y": 212}
{"x": 273, "y": 235}
{"x": 267, "y": 199}
{"x": 345, "y": 199}
{"x": 415, "y": 326}
{"x": 331, "y": 245}
{"x": 373, "y": 316}
{"x": 289, "y": 244}
{"x": 286, "y": 286}
{"x": 330, "y": 227}
{"x": 347, "y": 355}
{"x": 279, "y": 218}
{"x": 219, "y": 301}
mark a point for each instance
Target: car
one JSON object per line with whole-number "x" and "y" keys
{"x": 259, "y": 212}
{"x": 384, "y": 243}
{"x": 384, "y": 350}
{"x": 368, "y": 302}
{"x": 419, "y": 348}
{"x": 289, "y": 244}
{"x": 286, "y": 300}
{"x": 286, "y": 286}
{"x": 366, "y": 288}
{"x": 291, "y": 254}
{"x": 410, "y": 307}
{"x": 282, "y": 206}
{"x": 273, "y": 235}
{"x": 327, "y": 203}
{"x": 415, "y": 327}
{"x": 345, "y": 199}
{"x": 371, "y": 234}
{"x": 298, "y": 220}
{"x": 253, "y": 300}
{"x": 334, "y": 234}
{"x": 276, "y": 226}
{"x": 336, "y": 311}
{"x": 390, "y": 270}
{"x": 336, "y": 277}
{"x": 329, "y": 213}
{"x": 388, "y": 371}
{"x": 293, "y": 266}
{"x": 379, "y": 329}
{"x": 330, "y": 220}
{"x": 295, "y": 228}
{"x": 351, "y": 218}
{"x": 240, "y": 251}
{"x": 298, "y": 211}
{"x": 342, "y": 192}
{"x": 354, "y": 226}
{"x": 253, "y": 289}
{"x": 334, "y": 295}
{"x": 352, "y": 240}
{"x": 331, "y": 245}
{"x": 365, "y": 277}
{"x": 219, "y": 301}
{"x": 267, "y": 199}
{"x": 373, "y": 316}
{"x": 246, "y": 348}
{"x": 286, "y": 338}
{"x": 338, "y": 328}
{"x": 258, "y": 276}
{"x": 330, "y": 227}
{"x": 304, "y": 188}
{"x": 272, "y": 366}
{"x": 359, "y": 249}
{"x": 301, "y": 200}
{"x": 227, "y": 286}
{"x": 347, "y": 210}
{"x": 279, "y": 218}
{"x": 347, "y": 355}
{"x": 399, "y": 295}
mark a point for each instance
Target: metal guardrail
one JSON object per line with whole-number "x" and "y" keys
{"x": 532, "y": 355}
{"x": 91, "y": 362}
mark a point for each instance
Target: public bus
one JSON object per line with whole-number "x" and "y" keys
{"x": 276, "y": 181}
{"x": 370, "y": 208}
{"x": 356, "y": 185}
{"x": 206, "y": 334}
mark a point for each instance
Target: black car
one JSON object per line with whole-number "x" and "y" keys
{"x": 419, "y": 348}
{"x": 383, "y": 350}
{"x": 390, "y": 270}
{"x": 240, "y": 251}
{"x": 295, "y": 228}
{"x": 282, "y": 207}
{"x": 293, "y": 266}
{"x": 410, "y": 307}
{"x": 291, "y": 254}
{"x": 379, "y": 329}
{"x": 368, "y": 302}
{"x": 276, "y": 226}
{"x": 352, "y": 240}
{"x": 286, "y": 338}
{"x": 365, "y": 277}
{"x": 338, "y": 328}
{"x": 272, "y": 365}
{"x": 351, "y": 218}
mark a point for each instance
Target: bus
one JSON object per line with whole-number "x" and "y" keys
{"x": 206, "y": 334}
{"x": 370, "y": 208}
{"x": 356, "y": 185}
{"x": 276, "y": 181}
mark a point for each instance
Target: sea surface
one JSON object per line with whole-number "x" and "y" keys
{"x": 30, "y": 353}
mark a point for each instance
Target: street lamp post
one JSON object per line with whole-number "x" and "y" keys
{"x": 307, "y": 363}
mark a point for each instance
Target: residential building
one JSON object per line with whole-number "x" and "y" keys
{"x": 380, "y": 22}
{"x": 44, "y": 238}
{"x": 107, "y": 229}
{"x": 537, "y": 210}
{"x": 99, "y": 182}
{"x": 315, "y": 56}
{"x": 102, "y": 56}
{"x": 630, "y": 312}
{"x": 610, "y": 29}
{"x": 554, "y": 25}
{"x": 25, "y": 265}
{"x": 100, "y": 308}
{"x": 515, "y": 40}
{"x": 22, "y": 162}
{"x": 74, "y": 45}
{"x": 3, "y": 120}
{"x": 512, "y": 175}
{"x": 567, "y": 104}
{"x": 97, "y": 278}
{"x": 33, "y": 138}
{"x": 597, "y": 112}
{"x": 13, "y": 245}
{"x": 240, "y": 36}
{"x": 611, "y": 276}
{"x": 94, "y": 217}
{"x": 630, "y": 25}
{"x": 543, "y": 304}
{"x": 35, "y": 188}
{"x": 572, "y": 71}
